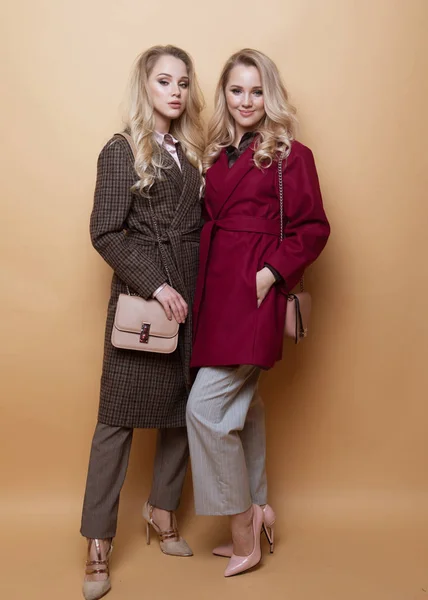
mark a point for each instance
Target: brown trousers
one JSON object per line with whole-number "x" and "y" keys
{"x": 108, "y": 464}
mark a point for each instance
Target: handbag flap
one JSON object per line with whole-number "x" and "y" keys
{"x": 133, "y": 311}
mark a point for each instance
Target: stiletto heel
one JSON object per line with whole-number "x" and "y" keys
{"x": 269, "y": 533}
{"x": 239, "y": 564}
{"x": 170, "y": 540}
{"x": 268, "y": 521}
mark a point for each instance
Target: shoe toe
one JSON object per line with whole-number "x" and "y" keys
{"x": 176, "y": 547}
{"x": 92, "y": 590}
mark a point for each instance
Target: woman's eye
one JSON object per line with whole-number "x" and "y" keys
{"x": 235, "y": 92}
{"x": 184, "y": 85}
{"x": 163, "y": 82}
{"x": 258, "y": 93}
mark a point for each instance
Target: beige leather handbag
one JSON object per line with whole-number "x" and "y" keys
{"x": 299, "y": 305}
{"x": 142, "y": 324}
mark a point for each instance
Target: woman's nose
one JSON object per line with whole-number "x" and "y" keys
{"x": 176, "y": 91}
{"x": 247, "y": 100}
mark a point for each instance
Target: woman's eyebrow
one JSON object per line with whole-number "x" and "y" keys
{"x": 168, "y": 75}
{"x": 256, "y": 87}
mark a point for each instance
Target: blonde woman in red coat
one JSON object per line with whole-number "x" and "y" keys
{"x": 241, "y": 295}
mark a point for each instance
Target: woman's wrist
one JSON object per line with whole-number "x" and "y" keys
{"x": 160, "y": 288}
{"x": 268, "y": 276}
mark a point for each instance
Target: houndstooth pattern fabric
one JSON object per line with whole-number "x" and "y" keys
{"x": 142, "y": 389}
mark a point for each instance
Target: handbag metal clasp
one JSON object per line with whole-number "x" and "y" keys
{"x": 145, "y": 333}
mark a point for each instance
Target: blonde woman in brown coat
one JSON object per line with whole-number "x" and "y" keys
{"x": 145, "y": 389}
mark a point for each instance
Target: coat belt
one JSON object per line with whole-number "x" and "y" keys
{"x": 173, "y": 238}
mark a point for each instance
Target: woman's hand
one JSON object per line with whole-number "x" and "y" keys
{"x": 173, "y": 304}
{"x": 264, "y": 281}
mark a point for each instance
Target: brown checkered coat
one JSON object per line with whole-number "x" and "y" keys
{"x": 144, "y": 389}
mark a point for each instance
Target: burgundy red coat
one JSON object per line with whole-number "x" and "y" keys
{"x": 240, "y": 235}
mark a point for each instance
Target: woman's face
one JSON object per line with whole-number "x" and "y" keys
{"x": 244, "y": 97}
{"x": 168, "y": 86}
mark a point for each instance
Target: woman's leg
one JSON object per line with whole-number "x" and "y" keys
{"x": 171, "y": 459}
{"x": 253, "y": 437}
{"x": 216, "y": 414}
{"x": 169, "y": 472}
{"x": 108, "y": 464}
{"x": 172, "y": 456}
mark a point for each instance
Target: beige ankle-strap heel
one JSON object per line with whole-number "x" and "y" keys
{"x": 170, "y": 540}
{"x": 92, "y": 590}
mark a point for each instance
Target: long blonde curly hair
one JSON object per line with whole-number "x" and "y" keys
{"x": 276, "y": 130}
{"x": 140, "y": 122}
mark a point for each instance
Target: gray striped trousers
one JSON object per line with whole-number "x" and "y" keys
{"x": 227, "y": 440}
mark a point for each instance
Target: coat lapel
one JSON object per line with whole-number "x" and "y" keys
{"x": 173, "y": 170}
{"x": 218, "y": 171}
{"x": 189, "y": 188}
{"x": 225, "y": 180}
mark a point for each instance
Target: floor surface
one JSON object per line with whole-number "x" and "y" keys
{"x": 43, "y": 559}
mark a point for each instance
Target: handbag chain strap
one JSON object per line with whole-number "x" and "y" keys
{"x": 131, "y": 143}
{"x": 284, "y": 156}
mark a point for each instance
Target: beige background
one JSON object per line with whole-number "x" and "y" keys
{"x": 347, "y": 410}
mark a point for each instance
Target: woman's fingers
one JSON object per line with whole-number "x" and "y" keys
{"x": 181, "y": 307}
{"x": 261, "y": 293}
{"x": 173, "y": 304}
{"x": 175, "y": 311}
{"x": 184, "y": 307}
{"x": 167, "y": 308}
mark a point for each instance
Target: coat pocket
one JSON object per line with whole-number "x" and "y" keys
{"x": 263, "y": 302}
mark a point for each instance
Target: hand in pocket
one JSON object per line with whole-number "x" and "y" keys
{"x": 264, "y": 281}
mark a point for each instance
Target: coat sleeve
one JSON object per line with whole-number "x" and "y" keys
{"x": 112, "y": 202}
{"x": 306, "y": 228}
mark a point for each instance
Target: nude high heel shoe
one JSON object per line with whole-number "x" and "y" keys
{"x": 170, "y": 540}
{"x": 239, "y": 564}
{"x": 92, "y": 590}
{"x": 268, "y": 522}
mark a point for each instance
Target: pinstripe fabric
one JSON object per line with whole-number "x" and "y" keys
{"x": 226, "y": 431}
{"x": 140, "y": 389}
{"x": 108, "y": 464}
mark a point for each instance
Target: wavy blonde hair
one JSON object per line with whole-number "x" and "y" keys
{"x": 276, "y": 130}
{"x": 140, "y": 121}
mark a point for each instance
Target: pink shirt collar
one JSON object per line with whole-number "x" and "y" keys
{"x": 160, "y": 137}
